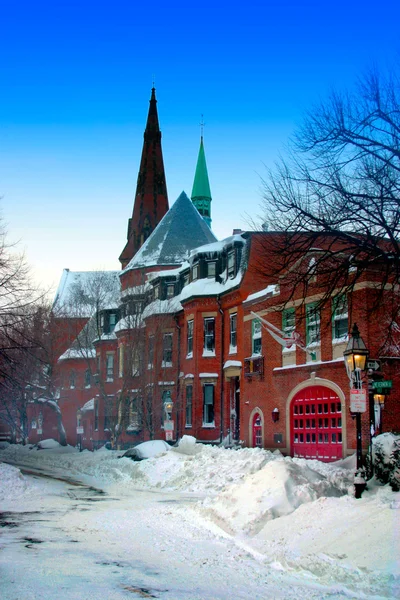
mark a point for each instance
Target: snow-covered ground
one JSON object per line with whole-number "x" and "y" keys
{"x": 263, "y": 521}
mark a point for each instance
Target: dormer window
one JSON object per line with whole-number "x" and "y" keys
{"x": 231, "y": 263}
{"x": 102, "y": 322}
{"x": 211, "y": 269}
{"x": 156, "y": 292}
{"x": 113, "y": 321}
{"x": 170, "y": 290}
{"x": 186, "y": 279}
{"x": 195, "y": 272}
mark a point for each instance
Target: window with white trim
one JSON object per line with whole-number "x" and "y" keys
{"x": 121, "y": 360}
{"x": 211, "y": 269}
{"x": 233, "y": 333}
{"x": 256, "y": 337}
{"x": 189, "y": 405}
{"x": 209, "y": 336}
{"x": 313, "y": 330}
{"x": 87, "y": 378}
{"x": 150, "y": 359}
{"x": 133, "y": 414}
{"x": 96, "y": 415}
{"x": 72, "y": 379}
{"x": 112, "y": 321}
{"x": 340, "y": 318}
{"x": 208, "y": 405}
{"x": 167, "y": 350}
{"x": 195, "y": 272}
{"x": 190, "y": 338}
{"x": 288, "y": 321}
{"x": 110, "y": 366}
{"x": 231, "y": 263}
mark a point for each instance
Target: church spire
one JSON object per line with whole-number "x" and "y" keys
{"x": 201, "y": 194}
{"x": 151, "y": 198}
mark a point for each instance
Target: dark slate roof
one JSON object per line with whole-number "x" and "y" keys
{"x": 181, "y": 230}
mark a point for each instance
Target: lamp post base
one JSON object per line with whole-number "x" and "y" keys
{"x": 359, "y": 484}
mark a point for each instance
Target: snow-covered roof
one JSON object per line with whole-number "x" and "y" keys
{"x": 206, "y": 375}
{"x": 162, "y": 307}
{"x": 89, "y": 405}
{"x": 137, "y": 290}
{"x": 210, "y": 287}
{"x": 270, "y": 290}
{"x": 179, "y": 231}
{"x": 168, "y": 272}
{"x": 232, "y": 363}
{"x": 80, "y": 293}
{"x": 75, "y": 352}
{"x": 218, "y": 246}
{"x": 129, "y": 322}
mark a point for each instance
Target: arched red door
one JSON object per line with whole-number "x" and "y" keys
{"x": 257, "y": 431}
{"x": 316, "y": 424}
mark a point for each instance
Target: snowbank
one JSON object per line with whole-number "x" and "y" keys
{"x": 295, "y": 514}
{"x": 13, "y": 484}
{"x": 276, "y": 490}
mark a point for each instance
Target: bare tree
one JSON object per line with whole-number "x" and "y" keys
{"x": 23, "y": 341}
{"x": 336, "y": 196}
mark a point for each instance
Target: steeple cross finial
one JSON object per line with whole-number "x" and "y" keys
{"x": 202, "y": 125}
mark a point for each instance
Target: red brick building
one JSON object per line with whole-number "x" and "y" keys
{"x": 195, "y": 338}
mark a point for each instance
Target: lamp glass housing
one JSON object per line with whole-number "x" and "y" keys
{"x": 356, "y": 353}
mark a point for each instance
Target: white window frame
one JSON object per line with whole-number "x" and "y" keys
{"x": 211, "y": 268}
{"x": 167, "y": 348}
{"x": 209, "y": 336}
{"x": 231, "y": 267}
{"x": 207, "y": 422}
{"x": 256, "y": 337}
{"x": 189, "y": 338}
{"x": 232, "y": 333}
{"x": 340, "y": 312}
{"x": 189, "y": 405}
{"x": 109, "y": 367}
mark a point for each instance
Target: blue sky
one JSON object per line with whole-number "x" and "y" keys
{"x": 75, "y": 85}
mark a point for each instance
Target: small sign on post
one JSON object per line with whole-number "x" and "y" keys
{"x": 358, "y": 401}
{"x": 168, "y": 425}
{"x": 383, "y": 385}
{"x": 373, "y": 364}
{"x": 169, "y": 436}
{"x": 79, "y": 430}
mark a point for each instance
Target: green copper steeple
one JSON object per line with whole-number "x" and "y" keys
{"x": 201, "y": 194}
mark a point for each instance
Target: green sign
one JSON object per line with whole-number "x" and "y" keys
{"x": 382, "y": 385}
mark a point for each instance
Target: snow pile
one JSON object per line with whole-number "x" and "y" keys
{"x": 207, "y": 472}
{"x": 386, "y": 458}
{"x": 13, "y": 484}
{"x": 277, "y": 489}
{"x": 187, "y": 445}
{"x": 48, "y": 444}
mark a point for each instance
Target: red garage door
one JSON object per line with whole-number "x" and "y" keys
{"x": 316, "y": 424}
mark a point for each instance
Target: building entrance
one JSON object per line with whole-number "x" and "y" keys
{"x": 316, "y": 424}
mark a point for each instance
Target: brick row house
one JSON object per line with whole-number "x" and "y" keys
{"x": 193, "y": 337}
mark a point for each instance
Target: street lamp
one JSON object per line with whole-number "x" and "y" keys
{"x": 355, "y": 357}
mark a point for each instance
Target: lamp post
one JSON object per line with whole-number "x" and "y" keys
{"x": 355, "y": 357}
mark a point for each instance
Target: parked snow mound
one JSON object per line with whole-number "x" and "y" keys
{"x": 13, "y": 484}
{"x": 48, "y": 444}
{"x": 148, "y": 450}
{"x": 187, "y": 445}
{"x": 277, "y": 489}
